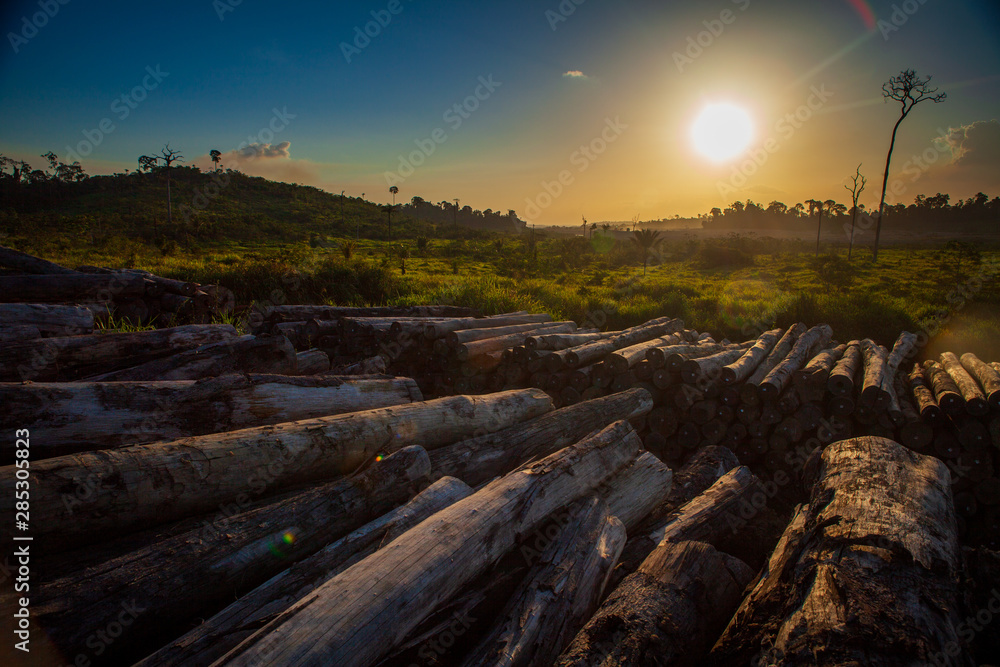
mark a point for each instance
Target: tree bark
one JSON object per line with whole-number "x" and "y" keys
{"x": 588, "y": 353}
{"x": 625, "y": 358}
{"x": 159, "y": 482}
{"x": 742, "y": 368}
{"x": 225, "y": 630}
{"x": 556, "y": 342}
{"x": 481, "y": 458}
{"x": 25, "y": 263}
{"x": 466, "y": 351}
{"x": 559, "y": 593}
{"x": 865, "y": 574}
{"x": 667, "y": 613}
{"x": 430, "y": 563}
{"x": 709, "y": 369}
{"x": 463, "y": 336}
{"x": 311, "y": 362}
{"x": 73, "y": 357}
{"x": 873, "y": 390}
{"x": 988, "y": 377}
{"x": 69, "y": 287}
{"x": 443, "y": 328}
{"x": 49, "y": 319}
{"x": 779, "y": 377}
{"x": 198, "y": 572}
{"x": 975, "y": 401}
{"x": 750, "y": 390}
{"x": 638, "y": 489}
{"x": 81, "y": 416}
{"x": 246, "y": 354}
{"x": 946, "y": 392}
{"x": 841, "y": 380}
{"x": 927, "y": 404}
{"x": 811, "y": 381}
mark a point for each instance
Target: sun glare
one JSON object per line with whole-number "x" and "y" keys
{"x": 722, "y": 132}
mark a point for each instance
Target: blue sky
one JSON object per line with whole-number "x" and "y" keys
{"x": 226, "y": 68}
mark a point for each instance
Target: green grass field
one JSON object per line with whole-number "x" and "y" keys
{"x": 734, "y": 287}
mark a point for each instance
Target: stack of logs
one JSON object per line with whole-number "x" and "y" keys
{"x": 131, "y": 295}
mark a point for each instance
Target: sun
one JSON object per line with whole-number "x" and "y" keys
{"x": 722, "y": 131}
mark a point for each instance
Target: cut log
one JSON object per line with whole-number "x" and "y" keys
{"x": 443, "y": 328}
{"x": 975, "y": 401}
{"x": 638, "y": 489}
{"x": 922, "y": 394}
{"x": 25, "y": 263}
{"x": 914, "y": 432}
{"x": 199, "y": 572}
{"x": 73, "y": 357}
{"x": 625, "y": 358}
{"x": 297, "y": 313}
{"x": 311, "y": 362}
{"x": 903, "y": 349}
{"x": 18, "y": 333}
{"x": 811, "y": 381}
{"x": 588, "y": 353}
{"x": 708, "y": 369}
{"x": 480, "y": 459}
{"x": 69, "y": 287}
{"x": 667, "y": 613}
{"x": 742, "y": 368}
{"x": 556, "y": 342}
{"x": 431, "y": 562}
{"x": 466, "y": 351}
{"x": 750, "y": 390}
{"x": 166, "y": 285}
{"x": 988, "y": 377}
{"x": 946, "y": 392}
{"x": 846, "y": 370}
{"x": 462, "y": 336}
{"x": 781, "y": 375}
{"x": 159, "y": 482}
{"x": 81, "y": 416}
{"x": 559, "y": 593}
{"x": 371, "y": 366}
{"x": 246, "y": 354}
{"x": 865, "y": 574}
{"x": 225, "y": 630}
{"x": 49, "y": 319}
{"x": 873, "y": 388}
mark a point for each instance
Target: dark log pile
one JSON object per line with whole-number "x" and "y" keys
{"x": 421, "y": 485}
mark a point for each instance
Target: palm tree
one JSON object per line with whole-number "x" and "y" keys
{"x": 593, "y": 226}
{"x": 216, "y": 157}
{"x": 394, "y": 190}
{"x": 347, "y": 248}
{"x": 909, "y": 90}
{"x": 606, "y": 227}
{"x": 646, "y": 240}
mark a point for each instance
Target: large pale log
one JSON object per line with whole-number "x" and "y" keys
{"x": 638, "y": 489}
{"x": 466, "y": 351}
{"x": 159, "y": 482}
{"x": 874, "y": 395}
{"x": 443, "y": 328}
{"x": 25, "y": 263}
{"x": 559, "y": 593}
{"x": 843, "y": 374}
{"x": 903, "y": 349}
{"x": 975, "y": 400}
{"x": 49, "y": 319}
{"x": 946, "y": 392}
{"x": 708, "y": 369}
{"x": 588, "y": 353}
{"x": 67, "y": 417}
{"x": 750, "y": 389}
{"x": 481, "y": 458}
{"x": 866, "y": 573}
{"x": 700, "y": 472}
{"x": 362, "y": 613}
{"x": 201, "y": 571}
{"x": 667, "y": 613}
{"x": 226, "y": 629}
{"x": 781, "y": 375}
{"x": 988, "y": 377}
{"x": 246, "y": 354}
{"x": 743, "y": 367}
{"x": 625, "y": 358}
{"x": 69, "y": 287}
{"x": 72, "y": 357}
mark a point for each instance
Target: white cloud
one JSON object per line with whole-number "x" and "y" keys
{"x": 263, "y": 150}
{"x": 575, "y": 74}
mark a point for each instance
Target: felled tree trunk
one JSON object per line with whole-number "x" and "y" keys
{"x": 225, "y": 630}
{"x": 81, "y": 416}
{"x": 159, "y": 482}
{"x": 635, "y": 491}
{"x": 246, "y": 354}
{"x": 198, "y": 572}
{"x": 559, "y": 593}
{"x": 988, "y": 377}
{"x": 667, "y": 613}
{"x": 343, "y": 624}
{"x": 22, "y": 261}
{"x": 49, "y": 319}
{"x": 73, "y": 357}
{"x": 780, "y": 376}
{"x": 844, "y": 372}
{"x": 18, "y": 333}
{"x": 873, "y": 389}
{"x": 69, "y": 287}
{"x": 311, "y": 362}
{"x": 946, "y": 392}
{"x": 975, "y": 400}
{"x": 481, "y": 458}
{"x": 865, "y": 574}
{"x": 742, "y": 368}
{"x": 750, "y": 390}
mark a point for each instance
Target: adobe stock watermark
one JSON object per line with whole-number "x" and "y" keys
{"x": 454, "y": 116}
{"x": 31, "y": 25}
{"x": 581, "y": 158}
{"x": 223, "y": 7}
{"x": 562, "y": 12}
{"x": 785, "y": 128}
{"x": 363, "y": 36}
{"x": 900, "y": 15}
{"x": 122, "y": 107}
{"x": 696, "y": 44}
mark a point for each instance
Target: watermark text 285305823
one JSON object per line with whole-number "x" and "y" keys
{"x": 22, "y": 546}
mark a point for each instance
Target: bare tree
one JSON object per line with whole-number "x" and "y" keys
{"x": 855, "y": 189}
{"x": 816, "y": 206}
{"x": 169, "y": 156}
{"x": 909, "y": 90}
